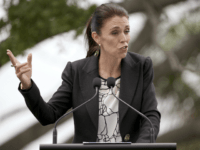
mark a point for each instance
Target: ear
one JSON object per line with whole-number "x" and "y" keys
{"x": 96, "y": 37}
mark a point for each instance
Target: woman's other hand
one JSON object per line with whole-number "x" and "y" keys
{"x": 23, "y": 71}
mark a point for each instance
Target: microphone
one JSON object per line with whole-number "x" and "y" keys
{"x": 111, "y": 84}
{"x": 96, "y": 84}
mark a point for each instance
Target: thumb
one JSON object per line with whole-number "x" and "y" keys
{"x": 29, "y": 60}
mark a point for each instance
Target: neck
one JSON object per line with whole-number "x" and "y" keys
{"x": 109, "y": 66}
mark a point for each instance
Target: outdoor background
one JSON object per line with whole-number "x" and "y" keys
{"x": 53, "y": 31}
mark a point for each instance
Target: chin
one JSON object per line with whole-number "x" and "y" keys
{"x": 119, "y": 55}
{"x": 123, "y": 55}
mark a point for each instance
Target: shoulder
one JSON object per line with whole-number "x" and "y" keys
{"x": 86, "y": 64}
{"x": 145, "y": 64}
{"x": 137, "y": 58}
{"x": 72, "y": 68}
{"x": 78, "y": 63}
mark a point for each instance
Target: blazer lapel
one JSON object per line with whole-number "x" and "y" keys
{"x": 88, "y": 73}
{"x": 129, "y": 80}
{"x": 128, "y": 85}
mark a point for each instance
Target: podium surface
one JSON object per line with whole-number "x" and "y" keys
{"x": 104, "y": 146}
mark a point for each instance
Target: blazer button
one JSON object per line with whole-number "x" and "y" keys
{"x": 127, "y": 137}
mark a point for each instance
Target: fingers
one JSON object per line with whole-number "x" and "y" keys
{"x": 29, "y": 60}
{"x": 12, "y": 57}
{"x": 15, "y": 61}
{"x": 18, "y": 66}
{"x": 19, "y": 74}
{"x": 21, "y": 69}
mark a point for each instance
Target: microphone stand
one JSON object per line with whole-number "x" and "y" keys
{"x": 151, "y": 129}
{"x": 54, "y": 129}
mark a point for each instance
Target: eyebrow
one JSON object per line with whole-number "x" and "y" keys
{"x": 116, "y": 27}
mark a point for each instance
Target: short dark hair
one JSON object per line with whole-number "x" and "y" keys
{"x": 96, "y": 21}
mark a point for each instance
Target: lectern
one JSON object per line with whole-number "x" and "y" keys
{"x": 108, "y": 146}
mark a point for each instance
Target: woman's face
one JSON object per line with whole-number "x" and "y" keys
{"x": 114, "y": 37}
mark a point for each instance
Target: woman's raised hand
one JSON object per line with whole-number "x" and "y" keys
{"x": 23, "y": 71}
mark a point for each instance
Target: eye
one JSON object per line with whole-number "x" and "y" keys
{"x": 127, "y": 31}
{"x": 114, "y": 33}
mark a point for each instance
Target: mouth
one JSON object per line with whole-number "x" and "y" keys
{"x": 124, "y": 48}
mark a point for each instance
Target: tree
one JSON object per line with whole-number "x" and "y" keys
{"x": 35, "y": 20}
{"x": 180, "y": 45}
{"x": 32, "y": 21}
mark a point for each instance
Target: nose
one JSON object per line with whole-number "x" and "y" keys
{"x": 123, "y": 38}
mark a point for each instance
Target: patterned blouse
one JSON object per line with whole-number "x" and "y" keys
{"x": 108, "y": 129}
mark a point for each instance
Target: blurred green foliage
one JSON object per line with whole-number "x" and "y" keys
{"x": 177, "y": 32}
{"x": 172, "y": 83}
{"x": 35, "y": 20}
{"x": 192, "y": 144}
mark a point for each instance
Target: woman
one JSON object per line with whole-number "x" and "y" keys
{"x": 104, "y": 119}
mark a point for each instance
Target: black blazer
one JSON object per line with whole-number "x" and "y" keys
{"x": 136, "y": 89}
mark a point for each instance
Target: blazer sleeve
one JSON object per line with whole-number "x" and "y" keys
{"x": 61, "y": 101}
{"x": 149, "y": 105}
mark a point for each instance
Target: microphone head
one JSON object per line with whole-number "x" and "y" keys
{"x": 111, "y": 82}
{"x": 96, "y": 82}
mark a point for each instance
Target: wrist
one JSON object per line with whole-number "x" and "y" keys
{"x": 23, "y": 87}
